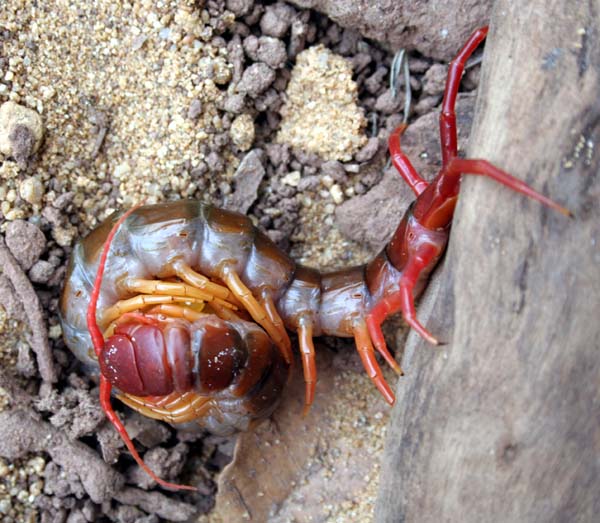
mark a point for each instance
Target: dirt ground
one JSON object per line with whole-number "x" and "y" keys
{"x": 102, "y": 106}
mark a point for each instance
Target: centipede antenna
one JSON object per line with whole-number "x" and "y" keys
{"x": 400, "y": 64}
{"x": 96, "y": 335}
{"x": 374, "y": 124}
{"x": 476, "y": 60}
{"x": 105, "y": 388}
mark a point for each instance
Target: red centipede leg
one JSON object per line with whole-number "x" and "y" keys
{"x": 98, "y": 342}
{"x": 95, "y": 334}
{"x": 448, "y": 135}
{"x": 379, "y": 342}
{"x": 403, "y": 300}
{"x": 403, "y": 164}
{"x": 458, "y": 166}
{"x": 367, "y": 356}
{"x": 307, "y": 349}
{"x": 105, "y": 389}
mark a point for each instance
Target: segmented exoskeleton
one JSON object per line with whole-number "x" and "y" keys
{"x": 194, "y": 302}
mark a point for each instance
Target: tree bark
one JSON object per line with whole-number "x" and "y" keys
{"x": 503, "y": 422}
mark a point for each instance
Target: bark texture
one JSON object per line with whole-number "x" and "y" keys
{"x": 503, "y": 422}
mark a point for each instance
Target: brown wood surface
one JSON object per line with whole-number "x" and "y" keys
{"x": 503, "y": 423}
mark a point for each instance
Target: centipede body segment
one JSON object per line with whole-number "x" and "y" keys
{"x": 185, "y": 308}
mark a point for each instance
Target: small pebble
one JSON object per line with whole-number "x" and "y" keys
{"x": 31, "y": 190}
{"x": 434, "y": 80}
{"x": 271, "y": 51}
{"x": 240, "y": 7}
{"x": 21, "y": 131}
{"x": 336, "y": 194}
{"x": 291, "y": 179}
{"x": 242, "y": 132}
{"x": 277, "y": 20}
{"x": 368, "y": 151}
{"x": 256, "y": 79}
{"x": 195, "y": 109}
{"x": 41, "y": 271}
{"x": 26, "y": 242}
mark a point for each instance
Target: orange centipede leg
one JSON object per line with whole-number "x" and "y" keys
{"x": 256, "y": 310}
{"x": 271, "y": 310}
{"x": 307, "y": 349}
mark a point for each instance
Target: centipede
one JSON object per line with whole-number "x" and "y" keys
{"x": 184, "y": 308}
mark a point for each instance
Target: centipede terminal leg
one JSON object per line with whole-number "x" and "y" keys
{"x": 459, "y": 166}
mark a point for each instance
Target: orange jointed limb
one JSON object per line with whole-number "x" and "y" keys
{"x": 367, "y": 355}
{"x": 169, "y": 288}
{"x": 137, "y": 317}
{"x": 307, "y": 350}
{"x": 269, "y": 307}
{"x": 177, "y": 407}
{"x": 190, "y": 276}
{"x": 177, "y": 311}
{"x": 140, "y": 301}
{"x": 258, "y": 313}
{"x": 374, "y": 322}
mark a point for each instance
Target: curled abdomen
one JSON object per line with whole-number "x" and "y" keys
{"x": 182, "y": 256}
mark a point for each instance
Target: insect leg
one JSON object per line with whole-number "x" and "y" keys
{"x": 177, "y": 311}
{"x": 105, "y": 389}
{"x": 448, "y": 136}
{"x": 189, "y": 275}
{"x": 402, "y": 164}
{"x": 458, "y": 166}
{"x": 258, "y": 313}
{"x": 138, "y": 302}
{"x": 174, "y": 408}
{"x": 367, "y": 355}
{"x": 169, "y": 288}
{"x": 266, "y": 301}
{"x": 374, "y": 328}
{"x": 307, "y": 349}
{"x": 403, "y": 300}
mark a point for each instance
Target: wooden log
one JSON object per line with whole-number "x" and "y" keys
{"x": 503, "y": 423}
